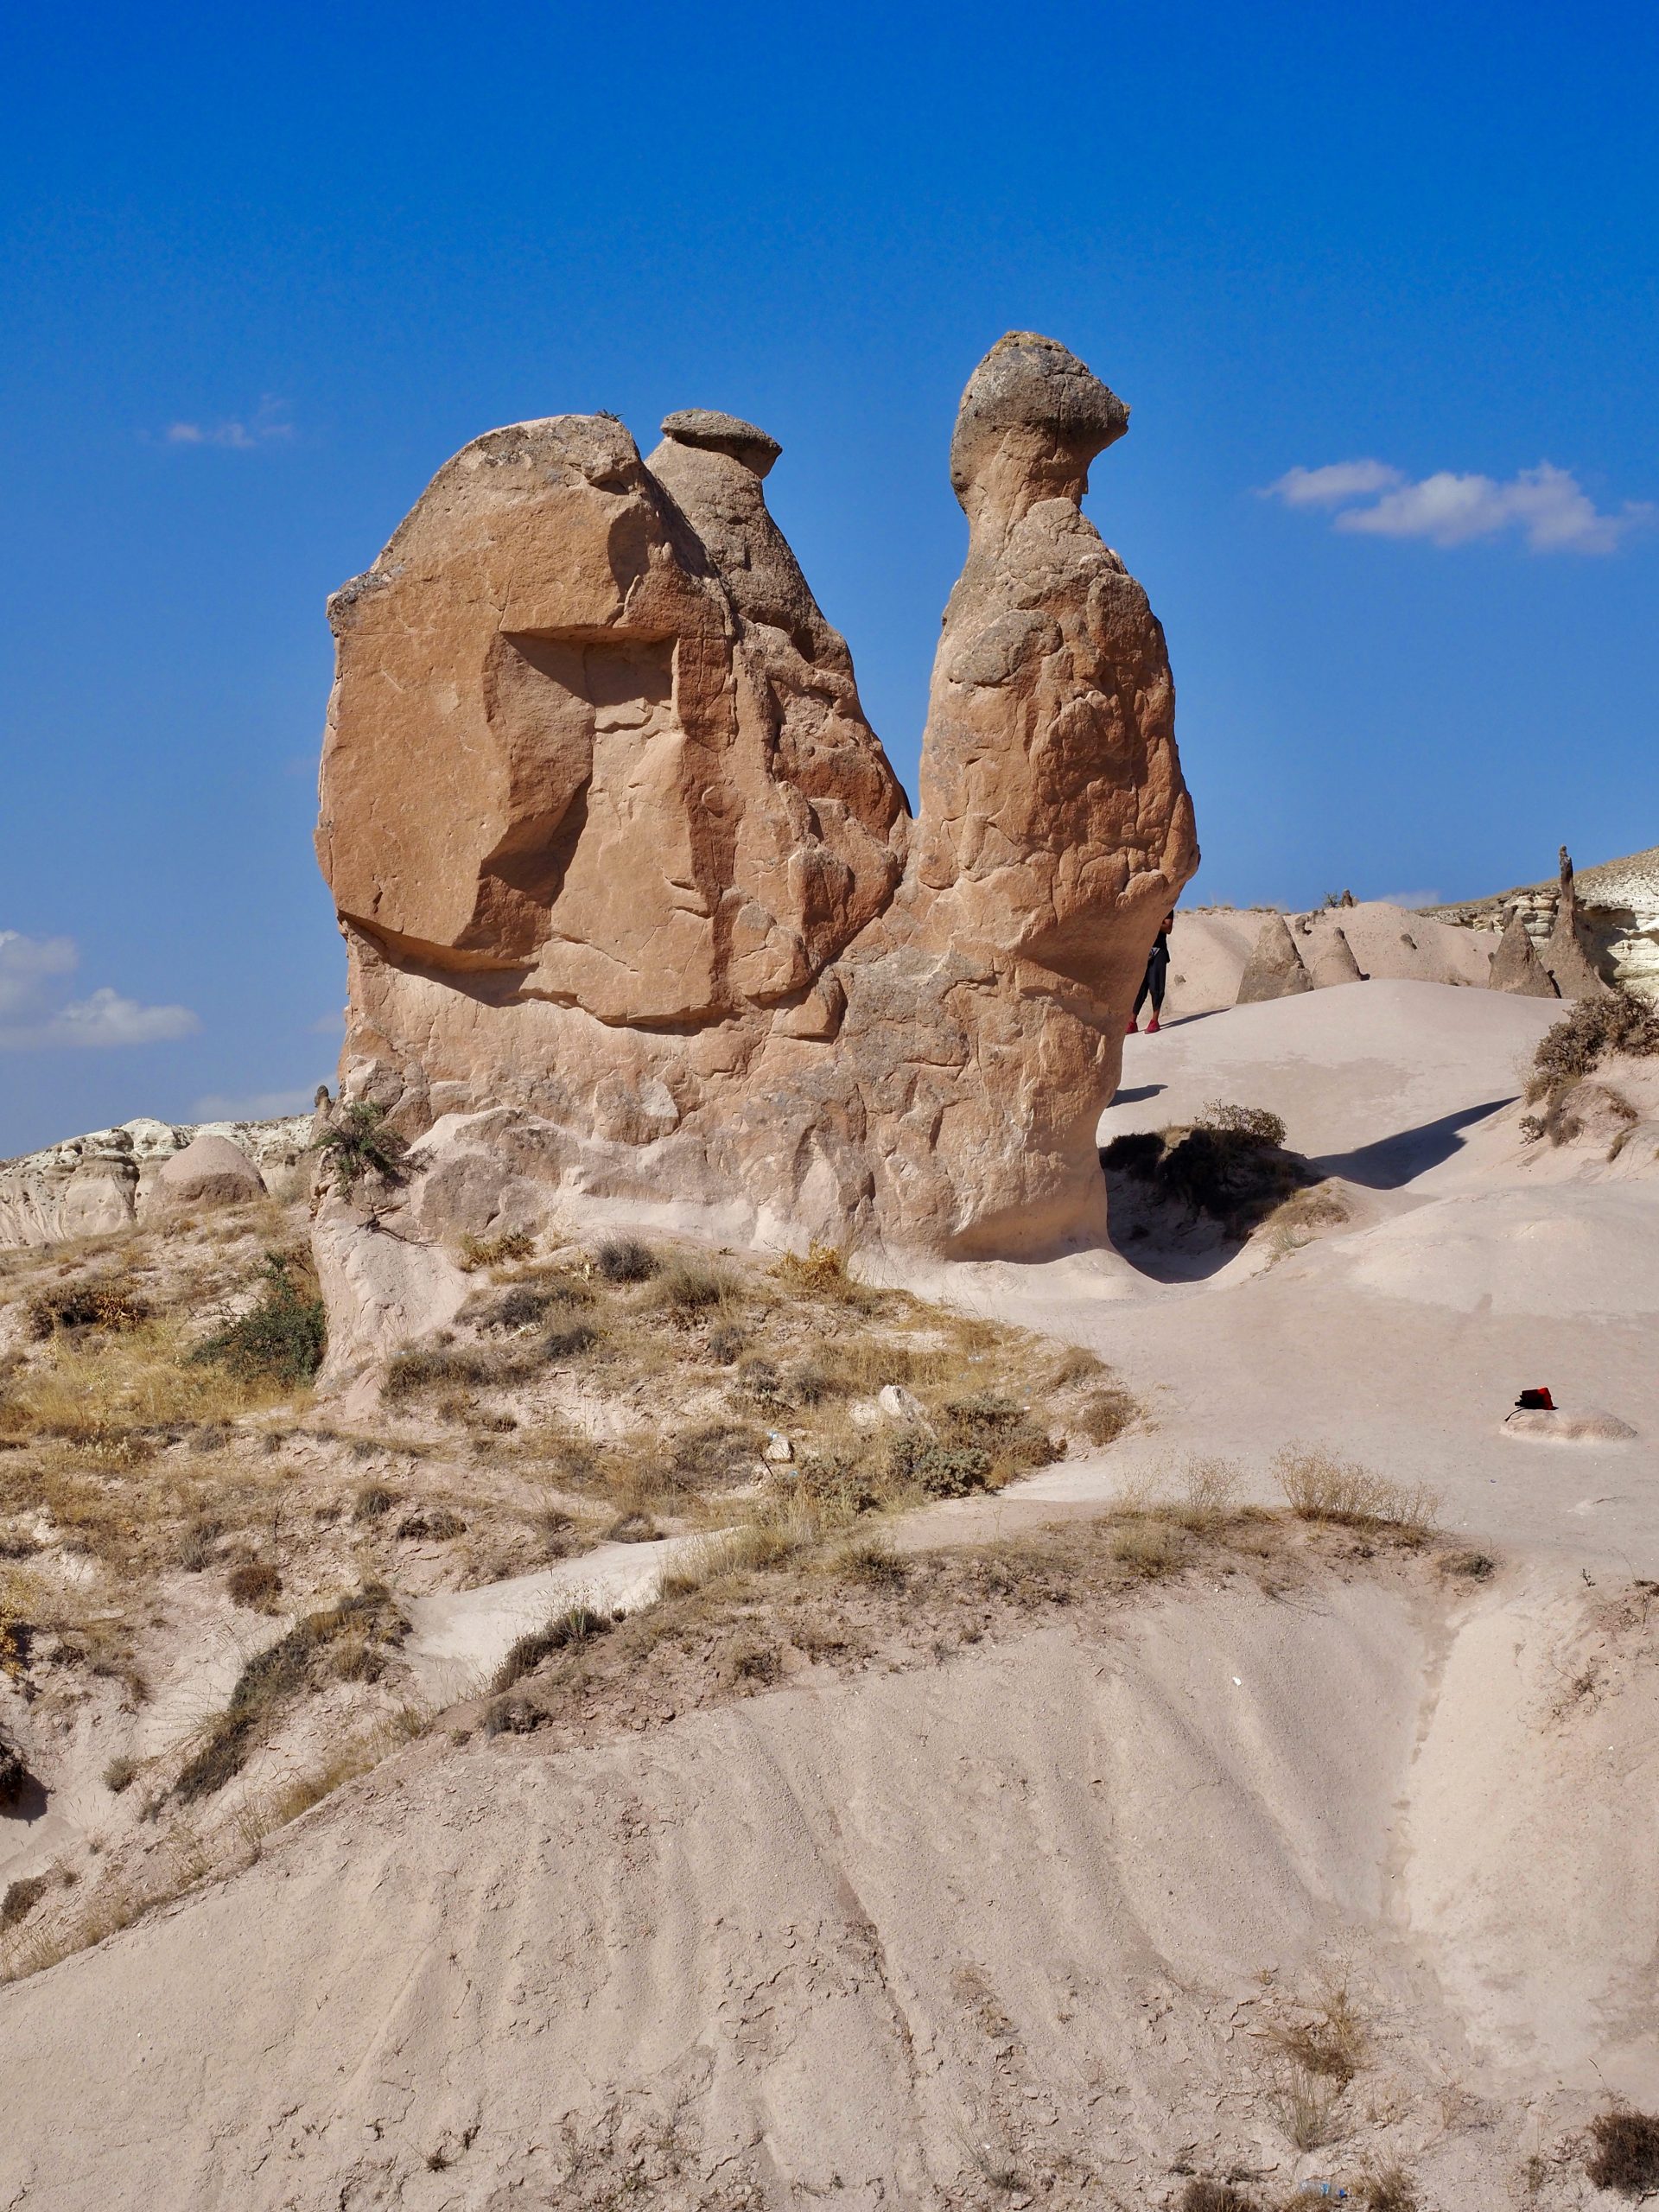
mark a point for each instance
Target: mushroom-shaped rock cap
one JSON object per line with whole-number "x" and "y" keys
{"x": 716, "y": 433}
{"x": 1029, "y": 390}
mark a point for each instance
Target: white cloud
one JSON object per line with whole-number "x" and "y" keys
{"x": 252, "y": 1106}
{"x": 1546, "y": 507}
{"x": 269, "y": 421}
{"x": 106, "y": 1018}
{"x": 34, "y": 1017}
{"x": 25, "y": 962}
{"x": 1330, "y": 486}
{"x": 332, "y": 1024}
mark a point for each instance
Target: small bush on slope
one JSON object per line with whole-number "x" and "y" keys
{"x": 92, "y": 1302}
{"x": 1616, "y": 1021}
{"x": 1626, "y": 2154}
{"x": 1319, "y": 1487}
{"x": 280, "y": 1339}
{"x": 359, "y": 1144}
{"x": 1231, "y": 1165}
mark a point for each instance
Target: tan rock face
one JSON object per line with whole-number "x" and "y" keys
{"x": 1517, "y": 966}
{"x": 209, "y": 1170}
{"x": 1275, "y": 970}
{"x": 615, "y": 847}
{"x": 1332, "y": 962}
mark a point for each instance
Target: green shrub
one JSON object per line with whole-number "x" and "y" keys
{"x": 997, "y": 1426}
{"x": 359, "y": 1142}
{"x": 937, "y": 1470}
{"x": 282, "y": 1338}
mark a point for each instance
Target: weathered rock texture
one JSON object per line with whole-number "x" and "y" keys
{"x": 1332, "y": 962}
{"x": 97, "y": 1184}
{"x": 614, "y": 847}
{"x": 1612, "y": 933}
{"x": 209, "y": 1170}
{"x": 1516, "y": 964}
{"x": 1618, "y": 915}
{"x": 1570, "y": 967}
{"x": 1274, "y": 969}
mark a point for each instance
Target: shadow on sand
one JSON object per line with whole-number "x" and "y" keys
{"x": 1389, "y": 1162}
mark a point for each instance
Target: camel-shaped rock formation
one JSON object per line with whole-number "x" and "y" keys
{"x": 622, "y": 867}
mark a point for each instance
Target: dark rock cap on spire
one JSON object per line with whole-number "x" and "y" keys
{"x": 716, "y": 433}
{"x": 1030, "y": 389}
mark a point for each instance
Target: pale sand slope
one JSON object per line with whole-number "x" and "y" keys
{"x": 865, "y": 1942}
{"x": 1211, "y": 946}
{"x": 1404, "y": 1341}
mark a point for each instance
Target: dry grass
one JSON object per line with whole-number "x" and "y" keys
{"x": 1613, "y": 1022}
{"x": 625, "y": 1259}
{"x": 186, "y": 1856}
{"x": 114, "y": 1396}
{"x": 1105, "y": 1415}
{"x": 1149, "y": 1548}
{"x": 822, "y": 1273}
{"x": 1385, "y": 2189}
{"x": 785, "y": 1588}
{"x": 1625, "y": 2156}
{"x": 1209, "y": 1491}
{"x": 1330, "y": 2043}
{"x": 478, "y": 1252}
{"x": 347, "y": 1642}
{"x": 1305, "y": 2105}
{"x": 1318, "y": 1486}
{"x": 98, "y": 1301}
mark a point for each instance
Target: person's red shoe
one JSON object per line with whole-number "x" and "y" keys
{"x": 1152, "y": 1026}
{"x": 1133, "y": 1027}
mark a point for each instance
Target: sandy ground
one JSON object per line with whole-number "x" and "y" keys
{"x": 1018, "y": 1928}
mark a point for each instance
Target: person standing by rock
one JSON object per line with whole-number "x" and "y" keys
{"x": 1157, "y": 975}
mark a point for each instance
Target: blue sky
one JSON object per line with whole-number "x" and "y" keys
{"x": 263, "y": 270}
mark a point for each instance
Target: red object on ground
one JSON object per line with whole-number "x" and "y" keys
{"x": 1152, "y": 1026}
{"x": 1132, "y": 1027}
{"x": 1549, "y": 1402}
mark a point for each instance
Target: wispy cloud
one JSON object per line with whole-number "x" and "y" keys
{"x": 26, "y": 966}
{"x": 1330, "y": 486}
{"x": 332, "y": 1024}
{"x": 1546, "y": 507}
{"x": 268, "y": 422}
{"x": 252, "y": 1106}
{"x": 36, "y": 1015}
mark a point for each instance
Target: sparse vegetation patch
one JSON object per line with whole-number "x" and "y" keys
{"x": 1616, "y": 1020}
{"x": 348, "y": 1641}
{"x": 1318, "y": 1486}
{"x": 283, "y": 1337}
{"x": 359, "y": 1144}
{"x": 1229, "y": 1166}
{"x": 1624, "y": 2153}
